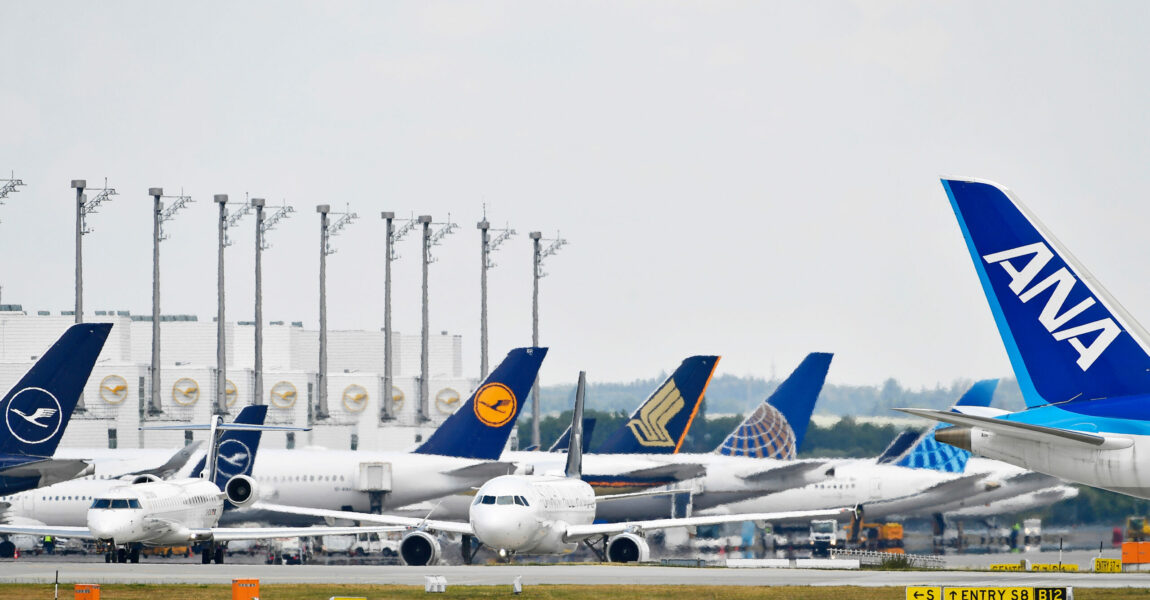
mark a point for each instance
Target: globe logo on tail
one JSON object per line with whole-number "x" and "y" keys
{"x": 495, "y": 404}
{"x": 33, "y": 415}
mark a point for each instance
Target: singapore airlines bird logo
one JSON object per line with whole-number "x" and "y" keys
{"x": 650, "y": 427}
{"x": 34, "y": 418}
{"x": 494, "y": 404}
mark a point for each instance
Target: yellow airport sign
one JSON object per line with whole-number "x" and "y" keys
{"x": 1107, "y": 565}
{"x": 1007, "y": 567}
{"x": 921, "y": 592}
{"x": 1054, "y": 567}
{"x": 988, "y": 593}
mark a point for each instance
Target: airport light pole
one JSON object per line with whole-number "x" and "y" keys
{"x": 262, "y": 227}
{"x": 537, "y": 273}
{"x": 9, "y": 186}
{"x": 226, "y": 221}
{"x": 487, "y": 246}
{"x": 159, "y": 215}
{"x": 326, "y": 232}
{"x": 429, "y": 239}
{"x": 390, "y": 254}
{"x": 84, "y": 207}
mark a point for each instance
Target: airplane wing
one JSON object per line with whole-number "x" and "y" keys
{"x": 934, "y": 496}
{"x": 483, "y": 470}
{"x": 50, "y": 470}
{"x": 792, "y": 474}
{"x": 174, "y": 464}
{"x": 402, "y": 522}
{"x": 231, "y": 534}
{"x": 1025, "y": 431}
{"x": 581, "y": 532}
{"x": 42, "y": 530}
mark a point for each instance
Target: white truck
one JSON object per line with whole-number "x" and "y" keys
{"x": 823, "y": 537}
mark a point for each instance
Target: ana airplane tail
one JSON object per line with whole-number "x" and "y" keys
{"x": 777, "y": 427}
{"x": 481, "y": 427}
{"x": 660, "y": 424}
{"x": 37, "y": 409}
{"x": 923, "y": 451}
{"x": 1068, "y": 339}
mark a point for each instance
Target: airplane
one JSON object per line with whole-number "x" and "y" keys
{"x": 1080, "y": 358}
{"x": 37, "y": 409}
{"x": 155, "y": 512}
{"x": 542, "y": 514}
{"x": 459, "y": 456}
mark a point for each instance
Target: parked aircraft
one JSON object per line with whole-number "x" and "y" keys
{"x": 150, "y": 511}
{"x": 1081, "y": 360}
{"x": 542, "y": 514}
{"x": 37, "y": 409}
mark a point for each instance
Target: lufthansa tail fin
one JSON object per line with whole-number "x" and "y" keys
{"x": 1068, "y": 339}
{"x": 928, "y": 453}
{"x": 38, "y": 408}
{"x": 575, "y": 444}
{"x": 237, "y": 448}
{"x": 480, "y": 428}
{"x": 777, "y": 427}
{"x": 660, "y": 424}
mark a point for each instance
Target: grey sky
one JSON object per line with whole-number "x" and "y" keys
{"x": 757, "y": 179}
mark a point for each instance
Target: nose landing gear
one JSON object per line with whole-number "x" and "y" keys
{"x": 122, "y": 554}
{"x": 212, "y": 551}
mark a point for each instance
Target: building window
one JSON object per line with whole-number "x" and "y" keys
{"x": 291, "y": 440}
{"x": 355, "y": 441}
{"x": 187, "y": 438}
{"x": 112, "y": 439}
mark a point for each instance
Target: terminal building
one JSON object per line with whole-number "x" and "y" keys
{"x": 358, "y": 413}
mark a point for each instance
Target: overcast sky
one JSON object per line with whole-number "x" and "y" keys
{"x": 757, "y": 180}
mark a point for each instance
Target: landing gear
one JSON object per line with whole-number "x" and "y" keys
{"x": 206, "y": 554}
{"x": 212, "y": 551}
{"x": 7, "y": 549}
{"x": 121, "y": 555}
{"x": 470, "y": 548}
{"x": 600, "y": 553}
{"x": 134, "y": 553}
{"x": 219, "y": 553}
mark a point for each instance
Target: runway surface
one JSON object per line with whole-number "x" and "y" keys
{"x": 43, "y": 571}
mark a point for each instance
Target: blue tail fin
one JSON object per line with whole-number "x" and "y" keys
{"x": 237, "y": 453}
{"x": 37, "y": 409}
{"x": 660, "y": 424}
{"x": 1067, "y": 338}
{"x": 777, "y": 427}
{"x": 564, "y": 440}
{"x": 481, "y": 427}
{"x": 925, "y": 452}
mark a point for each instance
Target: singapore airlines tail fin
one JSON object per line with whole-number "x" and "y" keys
{"x": 1068, "y": 339}
{"x": 575, "y": 446}
{"x": 37, "y": 409}
{"x": 777, "y": 427}
{"x": 480, "y": 428}
{"x": 922, "y": 451}
{"x": 660, "y": 424}
{"x": 237, "y": 448}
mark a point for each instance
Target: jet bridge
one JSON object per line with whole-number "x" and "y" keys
{"x": 375, "y": 479}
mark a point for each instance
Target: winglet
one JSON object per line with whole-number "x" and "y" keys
{"x": 37, "y": 409}
{"x": 575, "y": 447}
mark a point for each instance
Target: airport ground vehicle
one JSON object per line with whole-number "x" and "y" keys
{"x": 288, "y": 551}
{"x": 823, "y": 536}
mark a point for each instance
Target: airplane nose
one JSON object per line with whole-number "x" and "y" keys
{"x": 106, "y": 526}
{"x": 501, "y": 527}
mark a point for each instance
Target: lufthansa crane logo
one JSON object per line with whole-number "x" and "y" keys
{"x": 230, "y": 394}
{"x": 650, "y": 427}
{"x": 185, "y": 391}
{"x": 447, "y": 400}
{"x": 494, "y": 404}
{"x": 33, "y": 415}
{"x": 397, "y": 399}
{"x": 283, "y": 394}
{"x": 355, "y": 398}
{"x": 113, "y": 389}
{"x": 234, "y": 458}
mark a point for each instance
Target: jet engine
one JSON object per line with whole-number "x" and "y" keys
{"x": 628, "y": 547}
{"x": 241, "y": 490}
{"x": 145, "y": 479}
{"x": 419, "y": 548}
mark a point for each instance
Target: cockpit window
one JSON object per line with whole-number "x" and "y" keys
{"x": 133, "y": 503}
{"x": 505, "y": 500}
{"x": 101, "y": 503}
{"x": 521, "y": 501}
{"x": 119, "y": 503}
{"x": 489, "y": 500}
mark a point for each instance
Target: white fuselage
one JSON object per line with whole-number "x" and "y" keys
{"x": 530, "y": 513}
{"x": 158, "y": 512}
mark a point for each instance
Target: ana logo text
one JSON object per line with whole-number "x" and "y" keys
{"x": 1052, "y": 317}
{"x": 650, "y": 427}
{"x": 494, "y": 404}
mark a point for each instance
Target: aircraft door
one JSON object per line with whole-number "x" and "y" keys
{"x": 374, "y": 477}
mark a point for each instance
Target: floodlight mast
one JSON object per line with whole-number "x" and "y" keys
{"x": 84, "y": 207}
{"x": 9, "y": 186}
{"x": 540, "y": 253}
{"x": 160, "y": 214}
{"x": 487, "y": 246}
{"x": 386, "y": 412}
{"x": 326, "y": 232}
{"x": 263, "y": 225}
{"x": 430, "y": 239}
{"x": 226, "y": 221}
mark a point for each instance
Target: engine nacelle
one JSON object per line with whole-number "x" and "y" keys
{"x": 241, "y": 491}
{"x": 419, "y": 548}
{"x": 145, "y": 479}
{"x": 628, "y": 547}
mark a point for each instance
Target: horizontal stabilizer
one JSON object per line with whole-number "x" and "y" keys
{"x": 483, "y": 470}
{"x": 790, "y": 470}
{"x": 50, "y": 470}
{"x": 1025, "y": 431}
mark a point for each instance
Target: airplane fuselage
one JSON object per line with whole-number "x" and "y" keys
{"x": 530, "y": 514}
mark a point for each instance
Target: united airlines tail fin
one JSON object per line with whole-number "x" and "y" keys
{"x": 777, "y": 427}
{"x": 922, "y": 451}
{"x": 1068, "y": 339}
{"x": 660, "y": 424}
{"x": 481, "y": 427}
{"x": 237, "y": 449}
{"x": 37, "y": 409}
{"x": 564, "y": 440}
